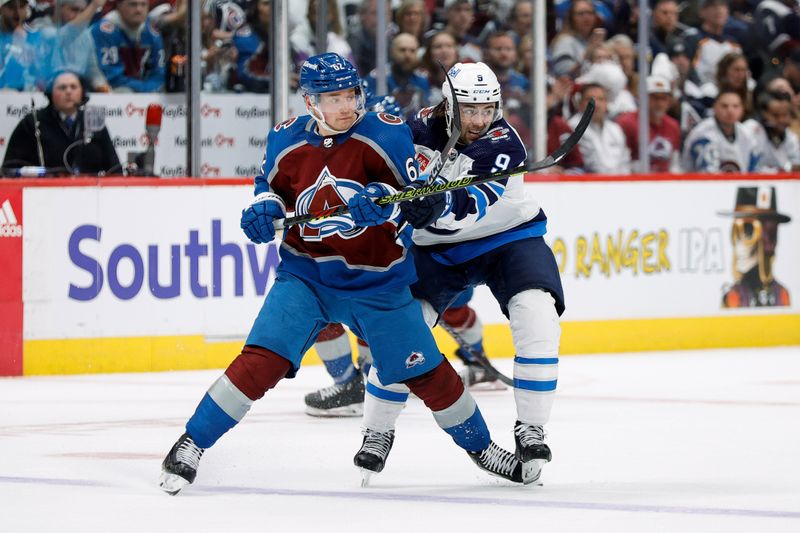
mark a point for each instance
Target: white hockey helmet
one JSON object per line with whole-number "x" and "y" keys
{"x": 474, "y": 83}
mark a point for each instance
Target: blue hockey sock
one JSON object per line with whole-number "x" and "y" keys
{"x": 208, "y": 423}
{"x": 341, "y": 369}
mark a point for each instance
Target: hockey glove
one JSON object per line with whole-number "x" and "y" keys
{"x": 422, "y": 212}
{"x": 258, "y": 216}
{"x": 365, "y": 211}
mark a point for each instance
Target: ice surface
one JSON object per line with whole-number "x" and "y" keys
{"x": 700, "y": 441}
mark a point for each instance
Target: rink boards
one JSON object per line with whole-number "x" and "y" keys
{"x": 140, "y": 275}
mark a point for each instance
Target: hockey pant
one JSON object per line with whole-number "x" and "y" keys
{"x": 536, "y": 334}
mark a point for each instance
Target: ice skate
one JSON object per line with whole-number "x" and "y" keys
{"x": 339, "y": 400}
{"x": 180, "y": 465}
{"x": 476, "y": 377}
{"x": 502, "y": 463}
{"x": 530, "y": 443}
{"x": 371, "y": 458}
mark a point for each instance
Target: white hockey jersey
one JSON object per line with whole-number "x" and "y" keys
{"x": 779, "y": 157}
{"x": 707, "y": 149}
{"x": 479, "y": 210}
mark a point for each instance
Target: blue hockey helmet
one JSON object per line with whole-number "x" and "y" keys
{"x": 327, "y": 73}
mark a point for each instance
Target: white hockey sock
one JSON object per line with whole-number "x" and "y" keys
{"x": 383, "y": 403}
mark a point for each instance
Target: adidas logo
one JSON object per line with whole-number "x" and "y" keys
{"x": 8, "y": 221}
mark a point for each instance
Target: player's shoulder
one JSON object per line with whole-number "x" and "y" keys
{"x": 385, "y": 125}
{"x": 289, "y": 131}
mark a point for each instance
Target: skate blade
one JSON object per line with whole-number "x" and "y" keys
{"x": 488, "y": 386}
{"x": 171, "y": 483}
{"x": 356, "y": 409}
{"x": 366, "y": 475}
{"x": 532, "y": 471}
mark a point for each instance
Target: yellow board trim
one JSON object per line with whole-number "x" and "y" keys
{"x": 193, "y": 352}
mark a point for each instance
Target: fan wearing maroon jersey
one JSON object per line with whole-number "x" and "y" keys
{"x": 349, "y": 269}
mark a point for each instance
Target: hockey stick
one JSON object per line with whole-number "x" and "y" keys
{"x": 438, "y": 164}
{"x": 428, "y": 190}
{"x": 478, "y": 358}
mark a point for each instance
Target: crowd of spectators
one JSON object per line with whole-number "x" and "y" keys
{"x": 723, "y": 82}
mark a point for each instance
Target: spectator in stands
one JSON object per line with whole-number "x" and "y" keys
{"x": 60, "y": 134}
{"x": 581, "y": 31}
{"x": 610, "y": 75}
{"x": 303, "y": 38}
{"x": 440, "y": 48}
{"x": 252, "y": 47}
{"x": 557, "y": 132}
{"x": 603, "y": 145}
{"x": 363, "y": 40}
{"x": 460, "y": 15}
{"x": 219, "y": 22}
{"x": 625, "y": 56}
{"x": 403, "y": 81}
{"x": 791, "y": 69}
{"x": 665, "y": 133}
{"x": 170, "y": 21}
{"x": 500, "y": 54}
{"x": 412, "y": 17}
{"x": 781, "y": 85}
{"x": 520, "y": 20}
{"x": 665, "y": 26}
{"x": 778, "y": 145}
{"x": 130, "y": 52}
{"x": 76, "y": 50}
{"x": 733, "y": 73}
{"x": 25, "y": 53}
{"x": 707, "y": 44}
{"x": 721, "y": 143}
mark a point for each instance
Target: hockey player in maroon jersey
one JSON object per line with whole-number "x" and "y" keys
{"x": 349, "y": 269}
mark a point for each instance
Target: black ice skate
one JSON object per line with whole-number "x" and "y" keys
{"x": 338, "y": 400}
{"x": 530, "y": 443}
{"x": 180, "y": 465}
{"x": 476, "y": 377}
{"x": 375, "y": 448}
{"x": 498, "y": 462}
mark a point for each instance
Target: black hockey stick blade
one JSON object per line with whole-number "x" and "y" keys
{"x": 477, "y": 357}
{"x": 466, "y": 181}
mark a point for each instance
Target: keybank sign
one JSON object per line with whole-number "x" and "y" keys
{"x": 185, "y": 260}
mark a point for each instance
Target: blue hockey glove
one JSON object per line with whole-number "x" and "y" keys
{"x": 365, "y": 211}
{"x": 258, "y": 216}
{"x": 422, "y": 212}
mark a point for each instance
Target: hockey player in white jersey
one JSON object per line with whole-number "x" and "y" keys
{"x": 486, "y": 234}
{"x": 778, "y": 145}
{"x": 721, "y": 143}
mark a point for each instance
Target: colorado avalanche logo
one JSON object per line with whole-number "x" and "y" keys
{"x": 416, "y": 358}
{"x": 328, "y": 191}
